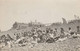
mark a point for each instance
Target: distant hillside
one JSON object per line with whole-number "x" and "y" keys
{"x": 21, "y": 27}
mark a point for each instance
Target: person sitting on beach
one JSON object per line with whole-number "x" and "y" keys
{"x": 55, "y": 31}
{"x": 62, "y": 33}
{"x": 78, "y": 30}
{"x": 70, "y": 31}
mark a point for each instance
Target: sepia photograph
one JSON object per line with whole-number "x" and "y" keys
{"x": 39, "y": 25}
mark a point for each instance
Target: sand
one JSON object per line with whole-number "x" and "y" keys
{"x": 67, "y": 45}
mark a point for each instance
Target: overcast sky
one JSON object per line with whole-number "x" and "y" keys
{"x": 45, "y": 11}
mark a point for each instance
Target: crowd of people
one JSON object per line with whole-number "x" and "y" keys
{"x": 36, "y": 35}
